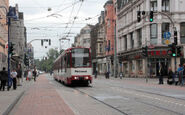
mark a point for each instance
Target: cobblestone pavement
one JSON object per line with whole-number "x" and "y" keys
{"x": 41, "y": 99}
{"x": 132, "y": 96}
{"x": 9, "y": 98}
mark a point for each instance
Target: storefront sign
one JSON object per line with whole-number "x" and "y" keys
{"x": 157, "y": 53}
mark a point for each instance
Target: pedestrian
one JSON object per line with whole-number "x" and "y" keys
{"x": 14, "y": 78}
{"x": 121, "y": 75}
{"x": 19, "y": 75}
{"x": 34, "y": 74}
{"x": 161, "y": 73}
{"x": 4, "y": 79}
{"x": 170, "y": 79}
{"x": 95, "y": 74}
{"x": 29, "y": 77}
{"x": 180, "y": 75}
{"x": 107, "y": 75}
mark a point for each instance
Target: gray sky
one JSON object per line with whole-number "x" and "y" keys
{"x": 44, "y": 24}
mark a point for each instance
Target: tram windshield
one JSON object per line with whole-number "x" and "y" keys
{"x": 80, "y": 57}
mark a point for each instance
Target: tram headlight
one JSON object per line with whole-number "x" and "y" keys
{"x": 86, "y": 77}
{"x": 75, "y": 77}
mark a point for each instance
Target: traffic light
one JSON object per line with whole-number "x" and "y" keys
{"x": 172, "y": 50}
{"x": 42, "y": 42}
{"x": 11, "y": 49}
{"x": 175, "y": 37}
{"x": 26, "y": 60}
{"x": 145, "y": 51}
{"x": 151, "y": 16}
{"x": 178, "y": 51}
{"x": 138, "y": 16}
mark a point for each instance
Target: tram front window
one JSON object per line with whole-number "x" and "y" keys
{"x": 80, "y": 58}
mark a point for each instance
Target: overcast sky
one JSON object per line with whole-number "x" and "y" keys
{"x": 48, "y": 19}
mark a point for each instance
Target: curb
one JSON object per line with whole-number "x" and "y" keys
{"x": 9, "y": 109}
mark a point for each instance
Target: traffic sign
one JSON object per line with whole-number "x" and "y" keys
{"x": 167, "y": 42}
{"x": 166, "y": 35}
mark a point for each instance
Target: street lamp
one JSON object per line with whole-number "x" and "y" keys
{"x": 9, "y": 15}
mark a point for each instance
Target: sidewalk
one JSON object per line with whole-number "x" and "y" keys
{"x": 9, "y": 98}
{"x": 42, "y": 99}
{"x": 149, "y": 81}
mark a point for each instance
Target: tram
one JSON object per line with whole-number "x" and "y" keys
{"x": 74, "y": 65}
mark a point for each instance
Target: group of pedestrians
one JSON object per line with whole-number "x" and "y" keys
{"x": 176, "y": 77}
{"x": 15, "y": 77}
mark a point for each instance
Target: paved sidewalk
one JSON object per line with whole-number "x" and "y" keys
{"x": 141, "y": 81}
{"x": 42, "y": 99}
{"x": 9, "y": 98}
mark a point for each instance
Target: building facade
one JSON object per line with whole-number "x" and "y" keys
{"x": 133, "y": 35}
{"x": 3, "y": 34}
{"x": 98, "y": 44}
{"x": 110, "y": 22}
{"x": 18, "y": 37}
{"x": 84, "y": 38}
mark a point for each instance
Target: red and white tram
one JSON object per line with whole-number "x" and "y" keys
{"x": 73, "y": 65}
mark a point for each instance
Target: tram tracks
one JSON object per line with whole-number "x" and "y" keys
{"x": 83, "y": 91}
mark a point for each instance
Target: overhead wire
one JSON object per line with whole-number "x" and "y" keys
{"x": 75, "y": 17}
{"x": 69, "y": 18}
{"x": 52, "y": 13}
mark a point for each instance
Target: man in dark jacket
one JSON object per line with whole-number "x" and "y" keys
{"x": 4, "y": 78}
{"x": 19, "y": 75}
{"x": 161, "y": 73}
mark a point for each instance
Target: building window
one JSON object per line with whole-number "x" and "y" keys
{"x": 153, "y": 5}
{"x": 165, "y": 28}
{"x": 125, "y": 42}
{"x": 139, "y": 37}
{"x": 165, "y": 5}
{"x": 153, "y": 33}
{"x": 100, "y": 48}
{"x": 126, "y": 68}
{"x": 132, "y": 40}
{"x": 182, "y": 33}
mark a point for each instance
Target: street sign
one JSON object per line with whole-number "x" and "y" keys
{"x": 167, "y": 42}
{"x": 166, "y": 35}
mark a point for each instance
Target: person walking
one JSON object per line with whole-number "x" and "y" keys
{"x": 161, "y": 73}
{"x": 14, "y": 78}
{"x": 4, "y": 79}
{"x": 180, "y": 75}
{"x": 34, "y": 73}
{"x": 29, "y": 77}
{"x": 19, "y": 75}
{"x": 170, "y": 79}
{"x": 95, "y": 74}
